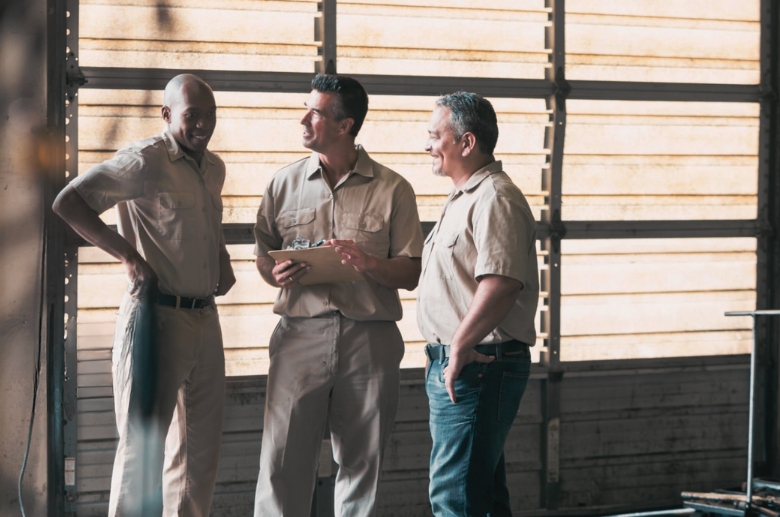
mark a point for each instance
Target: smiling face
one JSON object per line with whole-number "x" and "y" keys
{"x": 192, "y": 116}
{"x": 441, "y": 144}
{"x": 321, "y": 130}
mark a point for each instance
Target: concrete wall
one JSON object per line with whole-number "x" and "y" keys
{"x": 23, "y": 110}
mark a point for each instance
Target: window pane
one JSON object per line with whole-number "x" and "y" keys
{"x": 502, "y": 38}
{"x": 663, "y": 41}
{"x": 273, "y": 35}
{"x": 644, "y": 298}
{"x": 660, "y": 160}
{"x": 258, "y": 133}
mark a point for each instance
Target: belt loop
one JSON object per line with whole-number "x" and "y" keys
{"x": 178, "y": 302}
{"x": 498, "y": 351}
{"x": 442, "y": 353}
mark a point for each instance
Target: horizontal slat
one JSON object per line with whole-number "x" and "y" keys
{"x": 242, "y": 233}
{"x": 156, "y": 79}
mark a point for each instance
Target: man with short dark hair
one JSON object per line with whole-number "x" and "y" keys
{"x": 336, "y": 352}
{"x": 167, "y": 190}
{"x": 476, "y": 307}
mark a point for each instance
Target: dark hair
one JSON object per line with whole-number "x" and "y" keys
{"x": 352, "y": 100}
{"x": 472, "y": 113}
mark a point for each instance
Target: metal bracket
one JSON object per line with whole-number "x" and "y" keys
{"x": 557, "y": 230}
{"x": 764, "y": 229}
{"x": 74, "y": 77}
{"x": 562, "y": 89}
{"x": 767, "y": 93}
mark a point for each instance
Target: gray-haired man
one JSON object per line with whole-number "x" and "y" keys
{"x": 477, "y": 302}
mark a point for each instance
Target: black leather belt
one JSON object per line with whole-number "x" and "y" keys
{"x": 442, "y": 352}
{"x": 182, "y": 302}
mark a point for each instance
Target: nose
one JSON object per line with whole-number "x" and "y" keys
{"x": 306, "y": 118}
{"x": 427, "y": 146}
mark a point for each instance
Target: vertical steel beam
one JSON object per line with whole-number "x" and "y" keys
{"x": 325, "y": 35}
{"x": 74, "y": 79}
{"x": 54, "y": 236}
{"x": 551, "y": 244}
{"x": 766, "y": 238}
{"x": 768, "y": 251}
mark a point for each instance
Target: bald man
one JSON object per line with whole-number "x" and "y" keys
{"x": 167, "y": 192}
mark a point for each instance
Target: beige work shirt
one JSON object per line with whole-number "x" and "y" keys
{"x": 372, "y": 205}
{"x": 169, "y": 208}
{"x": 486, "y": 228}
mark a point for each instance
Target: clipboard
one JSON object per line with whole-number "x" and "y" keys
{"x": 325, "y": 262}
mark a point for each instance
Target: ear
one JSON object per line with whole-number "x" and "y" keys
{"x": 166, "y": 114}
{"x": 345, "y": 126}
{"x": 468, "y": 144}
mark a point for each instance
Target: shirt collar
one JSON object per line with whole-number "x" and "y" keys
{"x": 364, "y": 165}
{"x": 175, "y": 151}
{"x": 479, "y": 176}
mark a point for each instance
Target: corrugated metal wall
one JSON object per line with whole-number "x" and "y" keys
{"x": 629, "y": 436}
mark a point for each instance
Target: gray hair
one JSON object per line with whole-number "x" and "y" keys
{"x": 472, "y": 113}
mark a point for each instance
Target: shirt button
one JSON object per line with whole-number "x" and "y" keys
{"x": 204, "y": 265}
{"x": 295, "y": 220}
{"x": 325, "y": 304}
{"x": 204, "y": 237}
{"x": 205, "y": 209}
{"x": 330, "y": 224}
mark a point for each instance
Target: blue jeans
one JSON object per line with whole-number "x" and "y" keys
{"x": 467, "y": 474}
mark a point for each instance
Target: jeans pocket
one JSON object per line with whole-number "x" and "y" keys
{"x": 512, "y": 389}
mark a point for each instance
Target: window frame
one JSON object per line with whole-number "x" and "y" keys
{"x": 552, "y": 227}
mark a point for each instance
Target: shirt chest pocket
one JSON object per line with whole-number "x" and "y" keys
{"x": 368, "y": 231}
{"x": 444, "y": 253}
{"x": 177, "y": 217}
{"x": 298, "y": 223}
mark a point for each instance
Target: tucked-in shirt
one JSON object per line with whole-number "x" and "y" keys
{"x": 169, "y": 208}
{"x": 486, "y": 228}
{"x": 372, "y": 205}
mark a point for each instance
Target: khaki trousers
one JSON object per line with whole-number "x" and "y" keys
{"x": 168, "y": 465}
{"x": 327, "y": 368}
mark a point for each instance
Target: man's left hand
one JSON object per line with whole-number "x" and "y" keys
{"x": 460, "y": 357}
{"x": 352, "y": 255}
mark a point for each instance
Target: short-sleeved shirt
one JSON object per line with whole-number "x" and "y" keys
{"x": 169, "y": 208}
{"x": 486, "y": 228}
{"x": 372, "y": 205}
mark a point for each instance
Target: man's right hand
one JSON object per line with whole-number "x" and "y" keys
{"x": 288, "y": 272}
{"x": 141, "y": 276}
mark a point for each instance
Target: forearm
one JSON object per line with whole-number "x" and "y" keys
{"x": 395, "y": 273}
{"x": 70, "y": 206}
{"x": 265, "y": 266}
{"x": 492, "y": 302}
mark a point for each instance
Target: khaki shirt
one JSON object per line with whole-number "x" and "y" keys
{"x": 372, "y": 205}
{"x": 486, "y": 228}
{"x": 169, "y": 208}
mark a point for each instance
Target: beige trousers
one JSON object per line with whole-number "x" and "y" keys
{"x": 327, "y": 368}
{"x": 172, "y": 459}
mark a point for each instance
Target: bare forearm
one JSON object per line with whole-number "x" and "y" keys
{"x": 396, "y": 273}
{"x": 492, "y": 302}
{"x": 265, "y": 266}
{"x": 70, "y": 206}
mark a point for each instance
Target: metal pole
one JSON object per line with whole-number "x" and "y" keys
{"x": 751, "y": 414}
{"x": 751, "y": 409}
